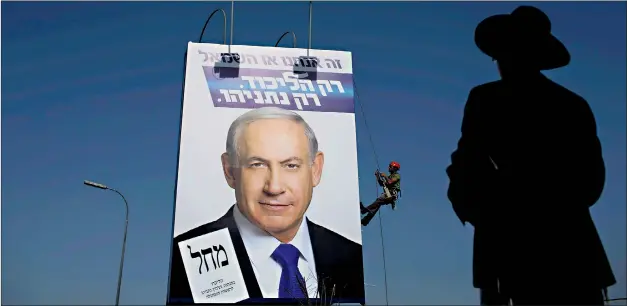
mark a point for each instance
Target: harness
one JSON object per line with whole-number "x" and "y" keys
{"x": 386, "y": 191}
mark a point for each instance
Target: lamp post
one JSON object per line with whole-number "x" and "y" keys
{"x": 101, "y": 186}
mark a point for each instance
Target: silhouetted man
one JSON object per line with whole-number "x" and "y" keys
{"x": 527, "y": 168}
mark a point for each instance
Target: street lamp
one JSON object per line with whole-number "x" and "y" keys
{"x": 101, "y": 186}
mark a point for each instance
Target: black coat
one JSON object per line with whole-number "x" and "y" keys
{"x": 527, "y": 168}
{"x": 339, "y": 262}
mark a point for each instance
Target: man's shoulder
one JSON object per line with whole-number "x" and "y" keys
{"x": 221, "y": 223}
{"x": 568, "y": 94}
{"x": 487, "y": 88}
{"x": 395, "y": 175}
{"x": 493, "y": 87}
{"x": 481, "y": 94}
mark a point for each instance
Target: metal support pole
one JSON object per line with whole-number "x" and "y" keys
{"x": 117, "y": 295}
{"x": 232, "y": 7}
{"x": 104, "y": 187}
{"x": 310, "y": 17}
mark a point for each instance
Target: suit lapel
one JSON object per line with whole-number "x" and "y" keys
{"x": 324, "y": 267}
{"x": 242, "y": 257}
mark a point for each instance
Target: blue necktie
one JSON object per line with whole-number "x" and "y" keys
{"x": 292, "y": 282}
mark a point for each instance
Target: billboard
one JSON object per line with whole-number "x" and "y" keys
{"x": 266, "y": 207}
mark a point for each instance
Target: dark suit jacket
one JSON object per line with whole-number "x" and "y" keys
{"x": 526, "y": 170}
{"x": 339, "y": 262}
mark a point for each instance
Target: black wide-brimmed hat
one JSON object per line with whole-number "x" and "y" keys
{"x": 526, "y": 32}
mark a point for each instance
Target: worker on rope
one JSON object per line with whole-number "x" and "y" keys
{"x": 391, "y": 191}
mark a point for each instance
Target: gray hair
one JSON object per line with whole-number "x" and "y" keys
{"x": 270, "y": 112}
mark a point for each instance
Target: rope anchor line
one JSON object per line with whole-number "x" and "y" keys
{"x": 376, "y": 157}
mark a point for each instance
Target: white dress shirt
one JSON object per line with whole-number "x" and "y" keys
{"x": 260, "y": 245}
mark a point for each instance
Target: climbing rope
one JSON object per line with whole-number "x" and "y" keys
{"x": 361, "y": 107}
{"x": 376, "y": 157}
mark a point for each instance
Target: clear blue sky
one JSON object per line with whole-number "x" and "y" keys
{"x": 92, "y": 91}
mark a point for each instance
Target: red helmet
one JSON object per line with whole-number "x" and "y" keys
{"x": 395, "y": 165}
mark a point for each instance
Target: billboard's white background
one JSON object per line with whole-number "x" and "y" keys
{"x": 202, "y": 192}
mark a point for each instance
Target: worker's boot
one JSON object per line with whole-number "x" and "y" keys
{"x": 367, "y": 218}
{"x": 394, "y": 205}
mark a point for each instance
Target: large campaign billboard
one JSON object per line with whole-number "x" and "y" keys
{"x": 267, "y": 194}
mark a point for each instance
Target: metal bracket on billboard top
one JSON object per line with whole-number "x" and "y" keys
{"x": 207, "y": 22}
{"x": 228, "y": 66}
{"x": 293, "y": 39}
{"x": 306, "y": 67}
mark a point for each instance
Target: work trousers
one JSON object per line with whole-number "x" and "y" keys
{"x": 381, "y": 200}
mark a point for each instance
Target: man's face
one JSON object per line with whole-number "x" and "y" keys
{"x": 275, "y": 177}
